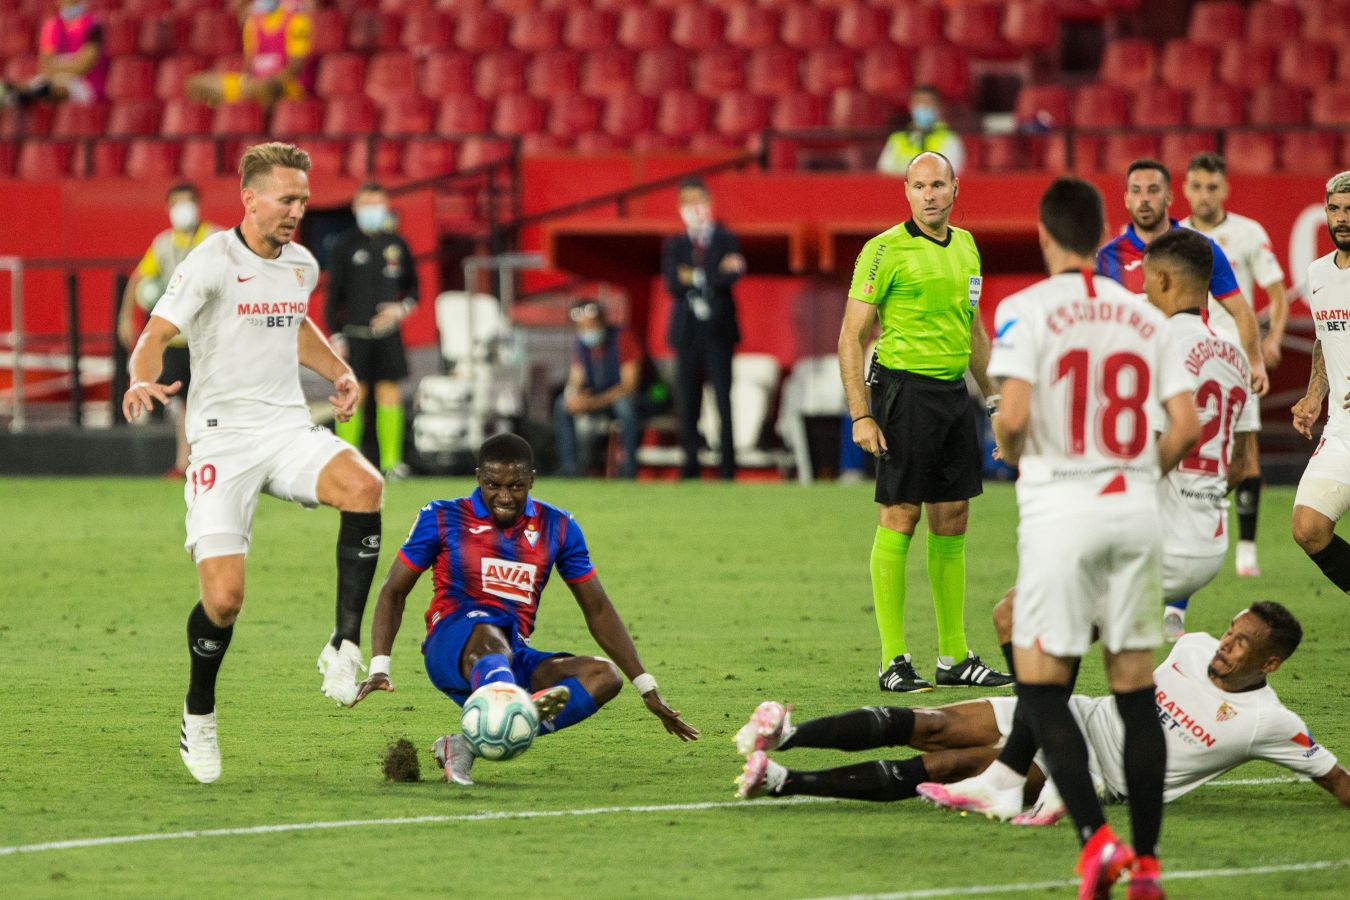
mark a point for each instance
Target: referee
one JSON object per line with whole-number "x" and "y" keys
{"x": 922, "y": 280}
{"x": 372, "y": 287}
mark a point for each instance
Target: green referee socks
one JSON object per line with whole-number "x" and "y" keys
{"x": 889, "y": 549}
{"x": 947, "y": 575}
{"x": 350, "y": 430}
{"x": 389, "y": 430}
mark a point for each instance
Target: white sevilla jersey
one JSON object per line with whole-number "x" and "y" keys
{"x": 1100, "y": 363}
{"x": 1209, "y": 731}
{"x": 241, "y": 314}
{"x": 1192, "y": 497}
{"x": 1329, "y": 300}
{"x": 1248, "y": 249}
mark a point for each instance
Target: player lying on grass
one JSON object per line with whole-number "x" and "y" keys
{"x": 491, "y": 554}
{"x": 1213, "y": 700}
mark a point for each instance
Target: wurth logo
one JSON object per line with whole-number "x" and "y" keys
{"x": 509, "y": 580}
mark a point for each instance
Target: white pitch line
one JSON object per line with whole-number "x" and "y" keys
{"x": 976, "y": 890}
{"x": 410, "y": 820}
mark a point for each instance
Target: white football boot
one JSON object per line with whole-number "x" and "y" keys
{"x": 1174, "y": 623}
{"x": 974, "y": 795}
{"x": 455, "y": 757}
{"x": 770, "y": 724}
{"x": 197, "y": 745}
{"x": 760, "y": 776}
{"x": 1048, "y": 809}
{"x": 340, "y": 668}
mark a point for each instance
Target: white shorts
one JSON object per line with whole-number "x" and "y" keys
{"x": 1184, "y": 575}
{"x": 1096, "y": 563}
{"x": 227, "y": 472}
{"x": 1085, "y": 711}
{"x": 1325, "y": 485}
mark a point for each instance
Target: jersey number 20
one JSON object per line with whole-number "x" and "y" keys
{"x": 1121, "y": 386}
{"x": 1221, "y": 413}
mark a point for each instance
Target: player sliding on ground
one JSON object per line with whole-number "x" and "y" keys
{"x": 491, "y": 554}
{"x": 1217, "y": 709}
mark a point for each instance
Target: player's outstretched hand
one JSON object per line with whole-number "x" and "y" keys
{"x": 1306, "y": 413}
{"x": 344, "y": 401}
{"x": 867, "y": 435}
{"x": 141, "y": 397}
{"x": 377, "y": 682}
{"x": 1260, "y": 380}
{"x": 669, "y": 717}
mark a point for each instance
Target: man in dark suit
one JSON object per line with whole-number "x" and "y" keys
{"x": 699, "y": 267}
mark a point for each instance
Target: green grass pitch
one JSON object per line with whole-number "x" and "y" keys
{"x": 735, "y": 594}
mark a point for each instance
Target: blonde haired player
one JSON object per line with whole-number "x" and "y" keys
{"x": 241, "y": 298}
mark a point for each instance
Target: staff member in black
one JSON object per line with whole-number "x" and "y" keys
{"x": 372, "y": 287}
{"x": 699, "y": 267}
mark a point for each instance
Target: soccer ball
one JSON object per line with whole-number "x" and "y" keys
{"x": 499, "y": 721}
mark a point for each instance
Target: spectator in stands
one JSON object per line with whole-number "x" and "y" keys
{"x": 602, "y": 386}
{"x": 71, "y": 63}
{"x": 926, "y": 131}
{"x": 372, "y": 287}
{"x": 148, "y": 283}
{"x": 699, "y": 267}
{"x": 278, "y": 37}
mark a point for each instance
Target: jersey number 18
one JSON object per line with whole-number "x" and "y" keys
{"x": 1121, "y": 386}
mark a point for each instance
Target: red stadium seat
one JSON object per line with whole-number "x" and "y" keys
{"x": 654, "y": 142}
{"x": 237, "y": 119}
{"x": 572, "y": 115}
{"x": 607, "y": 71}
{"x": 101, "y": 159}
{"x": 772, "y": 70}
{"x": 1031, "y": 26}
{"x": 41, "y": 161}
{"x": 977, "y": 28}
{"x": 1279, "y": 104}
{"x": 916, "y": 25}
{"x": 462, "y": 114}
{"x": 340, "y": 75}
{"x": 518, "y": 114}
{"x": 328, "y": 30}
{"x": 1216, "y": 22}
{"x": 425, "y": 157}
{"x": 1122, "y": 149}
{"x": 1043, "y": 104}
{"x": 1242, "y": 66}
{"x": 134, "y": 118}
{"x": 643, "y": 27}
{"x": 426, "y": 31}
{"x": 885, "y": 70}
{"x": 297, "y": 118}
{"x": 751, "y": 27}
{"x": 119, "y": 35}
{"x": 131, "y": 77}
{"x": 151, "y": 159}
{"x": 200, "y": 159}
{"x": 371, "y": 30}
{"x": 1312, "y": 152}
{"x": 377, "y": 158}
{"x": 480, "y": 31}
{"x": 1305, "y": 65}
{"x": 853, "y": 108}
{"x": 1327, "y": 21}
{"x": 391, "y": 74}
{"x": 861, "y": 25}
{"x": 1099, "y": 106}
{"x": 1218, "y": 106}
{"x": 681, "y": 114}
{"x": 214, "y": 33}
{"x": 597, "y": 142}
{"x": 798, "y": 110}
{"x": 1330, "y": 105}
{"x": 479, "y": 151}
{"x": 407, "y": 115}
{"x": 172, "y": 74}
{"x": 946, "y": 68}
{"x": 536, "y": 32}
{"x": 75, "y": 120}
{"x": 1129, "y": 63}
{"x": 696, "y": 27}
{"x": 717, "y": 144}
{"x": 348, "y": 116}
{"x": 1186, "y": 64}
{"x": 1157, "y": 106}
{"x": 185, "y": 118}
{"x": 627, "y": 114}
{"x": 25, "y": 123}
{"x": 162, "y": 36}
{"x": 588, "y": 29}
{"x": 660, "y": 70}
{"x": 1178, "y": 147}
{"x": 1249, "y": 152}
{"x": 445, "y": 73}
{"x": 719, "y": 70}
{"x": 327, "y": 156}
{"x": 741, "y": 114}
{"x": 502, "y": 72}
{"x": 21, "y": 68}
{"x": 553, "y": 73}
{"x": 826, "y": 69}
{"x": 806, "y": 26}
{"x": 1271, "y": 23}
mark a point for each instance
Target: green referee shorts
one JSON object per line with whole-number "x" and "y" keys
{"x": 933, "y": 444}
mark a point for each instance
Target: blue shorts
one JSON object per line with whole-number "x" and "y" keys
{"x": 444, "y": 647}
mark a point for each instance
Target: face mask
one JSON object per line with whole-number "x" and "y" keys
{"x": 924, "y": 117}
{"x": 695, "y": 215}
{"x": 183, "y": 216}
{"x": 70, "y": 13}
{"x": 370, "y": 219}
{"x": 592, "y": 338}
{"x": 264, "y": 7}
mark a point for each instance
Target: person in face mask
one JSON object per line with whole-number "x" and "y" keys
{"x": 602, "y": 386}
{"x": 699, "y": 266}
{"x": 278, "y": 43}
{"x": 147, "y": 284}
{"x": 72, "y": 66}
{"x": 926, "y": 131}
{"x": 372, "y": 288}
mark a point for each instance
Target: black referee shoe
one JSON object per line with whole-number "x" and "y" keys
{"x": 971, "y": 672}
{"x": 901, "y": 678}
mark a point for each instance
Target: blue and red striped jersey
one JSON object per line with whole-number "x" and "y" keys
{"x": 477, "y": 565}
{"x": 1122, "y": 259}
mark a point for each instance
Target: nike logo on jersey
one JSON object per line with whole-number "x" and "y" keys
{"x": 479, "y": 529}
{"x": 1134, "y": 264}
{"x": 1316, "y": 289}
{"x": 241, "y": 279}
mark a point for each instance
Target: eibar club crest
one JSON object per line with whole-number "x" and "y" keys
{"x": 299, "y": 276}
{"x": 531, "y": 535}
{"x": 1225, "y": 712}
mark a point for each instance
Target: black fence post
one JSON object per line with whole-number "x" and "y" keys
{"x": 73, "y": 335}
{"x": 121, "y": 379}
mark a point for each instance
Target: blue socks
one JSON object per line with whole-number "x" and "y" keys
{"x": 490, "y": 668}
{"x": 580, "y": 706}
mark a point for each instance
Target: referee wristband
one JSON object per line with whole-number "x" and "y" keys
{"x": 865, "y": 416}
{"x": 991, "y": 403}
{"x": 644, "y": 684}
{"x": 379, "y": 665}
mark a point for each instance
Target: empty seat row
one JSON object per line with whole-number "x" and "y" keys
{"x": 1158, "y": 105}
{"x": 1188, "y": 63}
{"x": 1220, "y": 22}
